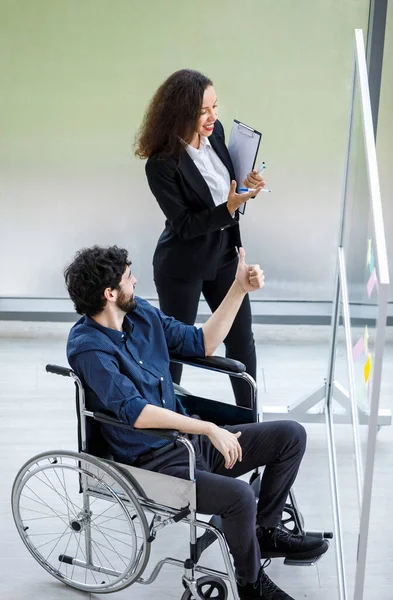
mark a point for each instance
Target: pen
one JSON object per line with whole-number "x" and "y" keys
{"x": 251, "y": 190}
{"x": 262, "y": 167}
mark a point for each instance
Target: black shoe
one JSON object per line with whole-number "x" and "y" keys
{"x": 262, "y": 589}
{"x": 278, "y": 542}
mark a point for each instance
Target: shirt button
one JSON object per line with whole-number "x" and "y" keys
{"x": 141, "y": 362}
{"x": 162, "y": 379}
{"x": 163, "y": 401}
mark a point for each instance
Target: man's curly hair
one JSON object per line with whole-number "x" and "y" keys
{"x": 91, "y": 272}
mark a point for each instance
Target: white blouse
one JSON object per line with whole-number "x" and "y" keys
{"x": 212, "y": 169}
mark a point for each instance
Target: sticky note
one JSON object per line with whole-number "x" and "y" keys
{"x": 372, "y": 283}
{"x": 365, "y": 337}
{"x": 368, "y": 252}
{"x": 367, "y": 368}
{"x": 358, "y": 349}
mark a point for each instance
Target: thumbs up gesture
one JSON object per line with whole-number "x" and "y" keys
{"x": 249, "y": 277}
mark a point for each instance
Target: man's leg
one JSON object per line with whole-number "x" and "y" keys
{"x": 233, "y": 499}
{"x": 280, "y": 446}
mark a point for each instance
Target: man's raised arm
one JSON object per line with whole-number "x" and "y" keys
{"x": 248, "y": 279}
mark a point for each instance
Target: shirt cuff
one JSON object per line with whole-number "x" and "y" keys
{"x": 131, "y": 410}
{"x": 193, "y": 344}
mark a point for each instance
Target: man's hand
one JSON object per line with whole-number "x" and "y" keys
{"x": 254, "y": 179}
{"x": 227, "y": 444}
{"x": 249, "y": 277}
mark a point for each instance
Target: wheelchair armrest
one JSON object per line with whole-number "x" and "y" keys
{"x": 57, "y": 370}
{"x": 169, "y": 434}
{"x": 111, "y": 419}
{"x": 213, "y": 363}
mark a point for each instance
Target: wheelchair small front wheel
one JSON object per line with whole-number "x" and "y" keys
{"x": 79, "y": 518}
{"x": 209, "y": 587}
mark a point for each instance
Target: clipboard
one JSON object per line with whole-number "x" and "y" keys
{"x": 243, "y": 149}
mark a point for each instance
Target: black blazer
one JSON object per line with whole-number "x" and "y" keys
{"x": 188, "y": 248}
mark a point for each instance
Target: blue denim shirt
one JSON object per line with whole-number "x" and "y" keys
{"x": 122, "y": 371}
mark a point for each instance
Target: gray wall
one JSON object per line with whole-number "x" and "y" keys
{"x": 76, "y": 77}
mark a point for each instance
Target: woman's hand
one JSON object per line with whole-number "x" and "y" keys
{"x": 227, "y": 444}
{"x": 235, "y": 200}
{"x": 254, "y": 179}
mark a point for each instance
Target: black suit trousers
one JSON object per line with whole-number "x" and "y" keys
{"x": 180, "y": 299}
{"x": 280, "y": 446}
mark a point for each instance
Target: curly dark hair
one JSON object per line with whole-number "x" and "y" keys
{"x": 91, "y": 272}
{"x": 172, "y": 113}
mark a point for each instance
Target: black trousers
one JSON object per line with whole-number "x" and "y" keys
{"x": 180, "y": 299}
{"x": 280, "y": 446}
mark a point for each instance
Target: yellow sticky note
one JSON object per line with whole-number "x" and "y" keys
{"x": 367, "y": 368}
{"x": 368, "y": 252}
{"x": 366, "y": 340}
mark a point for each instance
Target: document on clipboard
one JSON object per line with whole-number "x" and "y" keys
{"x": 243, "y": 149}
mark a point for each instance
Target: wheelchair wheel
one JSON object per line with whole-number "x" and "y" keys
{"x": 209, "y": 587}
{"x": 80, "y": 520}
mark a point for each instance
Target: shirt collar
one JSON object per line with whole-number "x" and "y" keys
{"x": 203, "y": 144}
{"x": 115, "y": 336}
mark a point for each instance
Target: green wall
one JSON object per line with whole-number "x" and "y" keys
{"x": 76, "y": 76}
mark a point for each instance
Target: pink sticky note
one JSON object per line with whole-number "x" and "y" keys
{"x": 372, "y": 282}
{"x": 358, "y": 349}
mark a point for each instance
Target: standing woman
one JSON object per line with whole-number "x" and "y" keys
{"x": 191, "y": 175}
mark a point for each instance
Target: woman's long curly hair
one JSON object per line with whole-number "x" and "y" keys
{"x": 172, "y": 114}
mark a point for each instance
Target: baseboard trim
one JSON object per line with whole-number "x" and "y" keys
{"x": 271, "y": 312}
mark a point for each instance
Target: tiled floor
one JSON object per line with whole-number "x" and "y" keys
{"x": 37, "y": 414}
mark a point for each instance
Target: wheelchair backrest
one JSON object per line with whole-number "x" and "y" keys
{"x": 95, "y": 441}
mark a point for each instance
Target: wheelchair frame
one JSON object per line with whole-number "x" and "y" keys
{"x": 137, "y": 496}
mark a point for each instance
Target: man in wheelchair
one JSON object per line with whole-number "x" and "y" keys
{"x": 120, "y": 350}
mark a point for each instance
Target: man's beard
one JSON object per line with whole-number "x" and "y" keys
{"x": 126, "y": 303}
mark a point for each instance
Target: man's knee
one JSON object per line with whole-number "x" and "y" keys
{"x": 243, "y": 499}
{"x": 296, "y": 432}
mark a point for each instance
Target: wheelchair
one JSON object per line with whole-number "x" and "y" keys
{"x": 90, "y": 521}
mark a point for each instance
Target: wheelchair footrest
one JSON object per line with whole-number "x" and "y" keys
{"x": 306, "y": 562}
{"x": 324, "y": 535}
